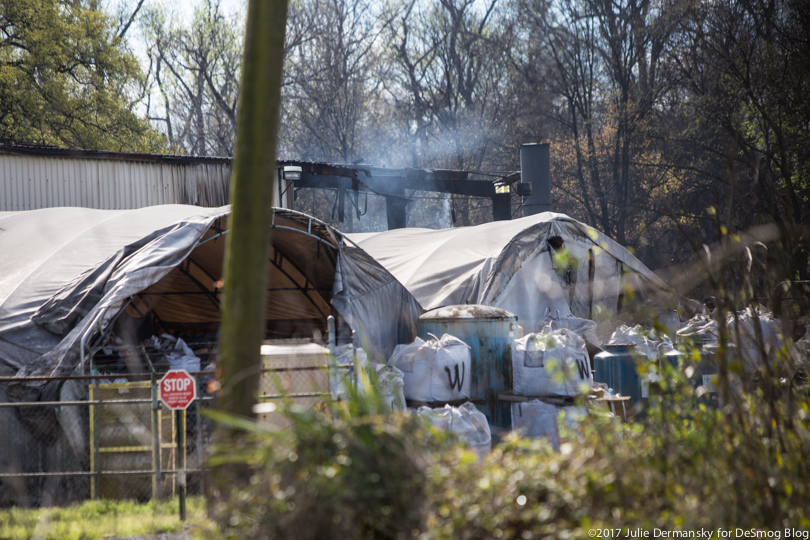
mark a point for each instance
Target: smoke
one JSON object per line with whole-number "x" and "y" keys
{"x": 401, "y": 144}
{"x": 447, "y": 212}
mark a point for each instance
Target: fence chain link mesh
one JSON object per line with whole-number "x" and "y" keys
{"x": 93, "y": 437}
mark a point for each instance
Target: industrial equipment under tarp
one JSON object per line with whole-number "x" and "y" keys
{"x": 547, "y": 263}
{"x": 67, "y": 270}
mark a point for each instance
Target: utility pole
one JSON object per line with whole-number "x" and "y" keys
{"x": 248, "y": 241}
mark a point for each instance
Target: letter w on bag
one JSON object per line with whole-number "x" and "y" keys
{"x": 459, "y": 380}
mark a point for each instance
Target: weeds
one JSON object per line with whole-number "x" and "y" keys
{"x": 98, "y": 519}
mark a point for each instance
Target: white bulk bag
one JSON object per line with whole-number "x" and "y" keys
{"x": 539, "y": 419}
{"x": 584, "y": 328}
{"x": 551, "y": 363}
{"x": 466, "y": 421}
{"x": 434, "y": 370}
{"x": 700, "y": 329}
{"x": 645, "y": 346}
{"x": 391, "y": 384}
{"x": 744, "y": 329}
{"x": 351, "y": 368}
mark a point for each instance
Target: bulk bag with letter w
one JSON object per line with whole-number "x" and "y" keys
{"x": 551, "y": 363}
{"x": 435, "y": 370}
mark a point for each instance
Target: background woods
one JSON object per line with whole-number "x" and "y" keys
{"x": 655, "y": 109}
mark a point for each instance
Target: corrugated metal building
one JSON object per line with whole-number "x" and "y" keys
{"x": 42, "y": 177}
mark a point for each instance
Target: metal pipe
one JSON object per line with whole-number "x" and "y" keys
{"x": 94, "y": 377}
{"x": 158, "y": 487}
{"x": 330, "y": 328}
{"x": 96, "y": 442}
{"x": 200, "y": 451}
{"x": 179, "y": 417}
{"x": 91, "y": 473}
{"x": 535, "y": 168}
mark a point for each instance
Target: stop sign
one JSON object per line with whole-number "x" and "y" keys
{"x": 177, "y": 389}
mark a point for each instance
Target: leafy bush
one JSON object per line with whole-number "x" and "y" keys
{"x": 684, "y": 466}
{"x": 339, "y": 473}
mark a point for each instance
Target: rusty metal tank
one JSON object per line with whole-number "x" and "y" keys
{"x": 489, "y": 331}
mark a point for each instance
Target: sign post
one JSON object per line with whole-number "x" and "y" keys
{"x": 177, "y": 391}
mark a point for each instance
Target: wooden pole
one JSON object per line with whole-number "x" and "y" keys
{"x": 248, "y": 242}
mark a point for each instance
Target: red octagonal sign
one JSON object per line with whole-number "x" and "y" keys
{"x": 177, "y": 389}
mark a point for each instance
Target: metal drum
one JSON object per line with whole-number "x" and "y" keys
{"x": 616, "y": 367}
{"x": 489, "y": 332}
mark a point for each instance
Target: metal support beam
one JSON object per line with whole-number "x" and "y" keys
{"x": 396, "y": 209}
{"x": 393, "y": 185}
{"x": 502, "y": 207}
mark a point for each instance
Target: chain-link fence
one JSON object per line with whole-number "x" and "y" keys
{"x": 92, "y": 437}
{"x": 97, "y": 437}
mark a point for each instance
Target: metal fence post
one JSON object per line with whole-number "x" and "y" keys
{"x": 158, "y": 491}
{"x": 181, "y": 459}
{"x": 96, "y": 441}
{"x": 200, "y": 450}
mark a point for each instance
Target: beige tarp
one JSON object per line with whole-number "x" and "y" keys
{"x": 545, "y": 263}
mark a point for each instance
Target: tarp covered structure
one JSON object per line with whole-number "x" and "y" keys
{"x": 544, "y": 263}
{"x": 69, "y": 276}
{"x": 66, "y": 273}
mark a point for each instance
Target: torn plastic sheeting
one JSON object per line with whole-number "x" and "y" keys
{"x": 135, "y": 272}
{"x": 373, "y": 303}
{"x": 96, "y": 261}
{"x": 508, "y": 264}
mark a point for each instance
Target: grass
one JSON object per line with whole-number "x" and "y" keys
{"x": 99, "y": 520}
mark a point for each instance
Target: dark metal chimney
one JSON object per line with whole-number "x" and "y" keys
{"x": 535, "y": 168}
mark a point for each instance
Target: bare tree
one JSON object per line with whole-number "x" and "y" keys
{"x": 449, "y": 84}
{"x": 196, "y": 70}
{"x": 331, "y": 78}
{"x": 744, "y": 81}
{"x": 609, "y": 80}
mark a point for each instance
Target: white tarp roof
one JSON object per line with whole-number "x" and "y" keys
{"x": 514, "y": 265}
{"x": 61, "y": 269}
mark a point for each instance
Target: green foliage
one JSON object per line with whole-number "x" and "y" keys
{"x": 67, "y": 79}
{"x": 686, "y": 467}
{"x": 682, "y": 466}
{"x": 332, "y": 475}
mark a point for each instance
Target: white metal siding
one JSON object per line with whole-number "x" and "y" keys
{"x": 29, "y": 182}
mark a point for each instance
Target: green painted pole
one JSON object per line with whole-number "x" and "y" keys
{"x": 248, "y": 241}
